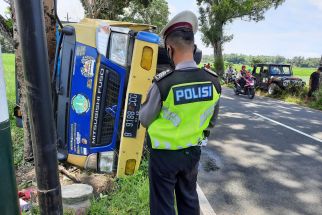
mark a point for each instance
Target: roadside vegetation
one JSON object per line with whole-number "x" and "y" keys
{"x": 16, "y": 133}
{"x": 249, "y": 60}
{"x": 131, "y": 196}
{"x": 299, "y": 98}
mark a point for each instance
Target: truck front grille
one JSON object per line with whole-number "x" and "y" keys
{"x": 105, "y": 107}
{"x": 111, "y": 100}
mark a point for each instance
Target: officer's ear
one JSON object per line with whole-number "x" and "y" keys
{"x": 169, "y": 50}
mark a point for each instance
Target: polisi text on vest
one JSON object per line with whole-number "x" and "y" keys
{"x": 193, "y": 93}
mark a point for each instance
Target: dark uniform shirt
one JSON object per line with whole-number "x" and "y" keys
{"x": 315, "y": 79}
{"x": 151, "y": 108}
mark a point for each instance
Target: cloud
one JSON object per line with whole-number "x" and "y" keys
{"x": 288, "y": 44}
{"x": 172, "y": 9}
{"x": 74, "y": 9}
{"x": 317, "y": 3}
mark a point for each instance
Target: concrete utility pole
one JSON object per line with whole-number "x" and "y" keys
{"x": 30, "y": 19}
{"x": 8, "y": 187}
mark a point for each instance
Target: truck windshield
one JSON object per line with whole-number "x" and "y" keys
{"x": 280, "y": 70}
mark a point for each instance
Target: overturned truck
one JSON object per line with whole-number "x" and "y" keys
{"x": 103, "y": 70}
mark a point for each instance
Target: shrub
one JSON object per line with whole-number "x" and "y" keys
{"x": 316, "y": 101}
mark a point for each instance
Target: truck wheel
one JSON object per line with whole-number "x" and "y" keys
{"x": 273, "y": 89}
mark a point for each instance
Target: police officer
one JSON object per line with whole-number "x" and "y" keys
{"x": 181, "y": 104}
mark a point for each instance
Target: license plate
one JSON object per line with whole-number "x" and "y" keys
{"x": 132, "y": 115}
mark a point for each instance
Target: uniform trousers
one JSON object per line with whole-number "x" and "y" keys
{"x": 173, "y": 175}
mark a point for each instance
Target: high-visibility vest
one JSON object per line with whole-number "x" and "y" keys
{"x": 187, "y": 108}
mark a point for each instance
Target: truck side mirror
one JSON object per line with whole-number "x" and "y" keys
{"x": 68, "y": 30}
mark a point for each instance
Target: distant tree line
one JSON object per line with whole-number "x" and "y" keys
{"x": 249, "y": 60}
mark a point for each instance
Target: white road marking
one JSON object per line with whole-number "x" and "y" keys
{"x": 293, "y": 129}
{"x": 205, "y": 206}
{"x": 226, "y": 97}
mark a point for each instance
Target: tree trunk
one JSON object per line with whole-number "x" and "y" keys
{"x": 22, "y": 102}
{"x": 50, "y": 27}
{"x": 21, "y": 90}
{"x": 218, "y": 56}
{"x": 21, "y": 87}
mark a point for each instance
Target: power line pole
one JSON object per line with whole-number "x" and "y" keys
{"x": 8, "y": 187}
{"x": 30, "y": 19}
{"x": 67, "y": 17}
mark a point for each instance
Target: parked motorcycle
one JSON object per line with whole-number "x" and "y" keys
{"x": 248, "y": 89}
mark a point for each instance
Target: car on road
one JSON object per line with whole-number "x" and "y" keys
{"x": 276, "y": 77}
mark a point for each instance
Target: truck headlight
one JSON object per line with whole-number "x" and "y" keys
{"x": 106, "y": 160}
{"x": 119, "y": 48}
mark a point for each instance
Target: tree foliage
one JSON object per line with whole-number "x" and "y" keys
{"x": 297, "y": 61}
{"x": 215, "y": 14}
{"x": 108, "y": 9}
{"x": 156, "y": 13}
{"x": 6, "y": 27}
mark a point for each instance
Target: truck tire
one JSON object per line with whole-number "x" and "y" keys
{"x": 273, "y": 88}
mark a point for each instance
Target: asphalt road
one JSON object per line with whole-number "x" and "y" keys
{"x": 253, "y": 165}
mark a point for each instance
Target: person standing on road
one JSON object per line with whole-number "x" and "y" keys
{"x": 181, "y": 105}
{"x": 314, "y": 82}
{"x": 229, "y": 73}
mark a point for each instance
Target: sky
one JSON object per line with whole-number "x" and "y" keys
{"x": 293, "y": 29}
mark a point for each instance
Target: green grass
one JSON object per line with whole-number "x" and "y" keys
{"x": 131, "y": 196}
{"x": 303, "y": 72}
{"x": 16, "y": 133}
